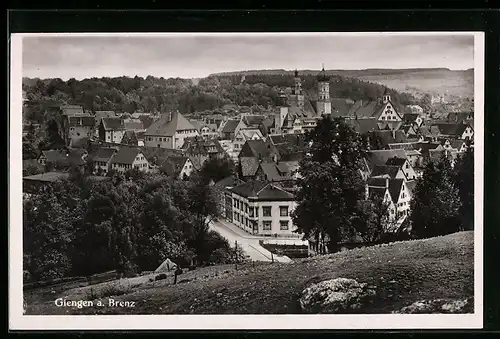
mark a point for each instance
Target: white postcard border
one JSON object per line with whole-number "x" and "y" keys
{"x": 18, "y": 321}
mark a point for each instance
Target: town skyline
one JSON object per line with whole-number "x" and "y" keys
{"x": 198, "y": 56}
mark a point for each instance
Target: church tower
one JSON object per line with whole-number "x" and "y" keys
{"x": 323, "y": 105}
{"x": 299, "y": 95}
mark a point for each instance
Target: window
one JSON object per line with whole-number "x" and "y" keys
{"x": 284, "y": 225}
{"x": 283, "y": 211}
{"x": 250, "y": 212}
{"x": 407, "y": 165}
{"x": 266, "y": 225}
{"x": 266, "y": 211}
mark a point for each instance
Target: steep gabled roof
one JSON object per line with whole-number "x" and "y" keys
{"x": 256, "y": 148}
{"x": 253, "y": 120}
{"x": 249, "y": 133}
{"x": 230, "y": 126}
{"x": 396, "y": 161}
{"x": 451, "y": 129}
{"x": 249, "y": 166}
{"x": 363, "y": 125}
{"x": 395, "y": 189}
{"x": 166, "y": 127}
{"x": 125, "y": 155}
{"x": 172, "y": 166}
{"x": 198, "y": 145}
{"x": 129, "y": 137}
{"x": 388, "y": 137}
{"x": 113, "y": 124}
{"x": 457, "y": 144}
{"x": 380, "y": 170}
{"x": 156, "y": 155}
{"x": 65, "y": 158}
{"x": 380, "y": 157}
{"x": 341, "y": 107}
{"x": 102, "y": 154}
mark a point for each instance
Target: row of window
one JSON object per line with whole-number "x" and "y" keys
{"x": 160, "y": 139}
{"x": 266, "y": 225}
{"x": 266, "y": 210}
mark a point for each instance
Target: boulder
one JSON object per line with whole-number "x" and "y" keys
{"x": 340, "y": 295}
{"x": 439, "y": 306}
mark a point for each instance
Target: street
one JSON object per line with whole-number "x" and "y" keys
{"x": 249, "y": 243}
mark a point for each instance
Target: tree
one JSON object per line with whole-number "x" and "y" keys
{"x": 374, "y": 219}
{"x": 464, "y": 178}
{"x": 202, "y": 209}
{"x": 216, "y": 169}
{"x": 331, "y": 185}
{"x": 29, "y": 151}
{"x": 436, "y": 201}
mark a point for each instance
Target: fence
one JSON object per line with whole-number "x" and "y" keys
{"x": 94, "y": 279}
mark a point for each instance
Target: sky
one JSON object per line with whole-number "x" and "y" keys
{"x": 191, "y": 56}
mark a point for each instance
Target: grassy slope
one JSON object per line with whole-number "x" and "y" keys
{"x": 402, "y": 272}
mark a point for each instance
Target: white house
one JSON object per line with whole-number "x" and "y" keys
{"x": 111, "y": 130}
{"x": 263, "y": 208}
{"x": 101, "y": 160}
{"x": 245, "y": 134}
{"x": 128, "y": 158}
{"x": 169, "y": 131}
{"x": 383, "y": 110}
{"x": 177, "y": 166}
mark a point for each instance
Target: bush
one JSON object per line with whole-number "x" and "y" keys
{"x": 161, "y": 276}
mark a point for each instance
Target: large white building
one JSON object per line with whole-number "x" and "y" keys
{"x": 169, "y": 131}
{"x": 261, "y": 208}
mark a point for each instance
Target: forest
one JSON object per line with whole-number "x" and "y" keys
{"x": 152, "y": 94}
{"x": 130, "y": 223}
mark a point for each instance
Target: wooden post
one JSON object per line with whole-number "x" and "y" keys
{"x": 175, "y": 277}
{"x": 236, "y": 255}
{"x": 272, "y": 257}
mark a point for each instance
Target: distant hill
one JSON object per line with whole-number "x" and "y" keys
{"x": 411, "y": 80}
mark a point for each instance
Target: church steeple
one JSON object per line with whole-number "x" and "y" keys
{"x": 323, "y": 105}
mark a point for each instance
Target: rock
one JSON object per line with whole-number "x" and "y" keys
{"x": 340, "y": 295}
{"x": 439, "y": 306}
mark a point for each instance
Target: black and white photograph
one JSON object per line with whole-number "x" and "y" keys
{"x": 246, "y": 180}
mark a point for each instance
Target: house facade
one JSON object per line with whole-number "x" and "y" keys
{"x": 77, "y": 126}
{"x": 169, "y": 131}
{"x": 263, "y": 209}
{"x": 178, "y": 167}
{"x": 128, "y": 158}
{"x": 101, "y": 160}
{"x": 111, "y": 130}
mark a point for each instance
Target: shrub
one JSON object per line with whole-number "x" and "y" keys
{"x": 161, "y": 276}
